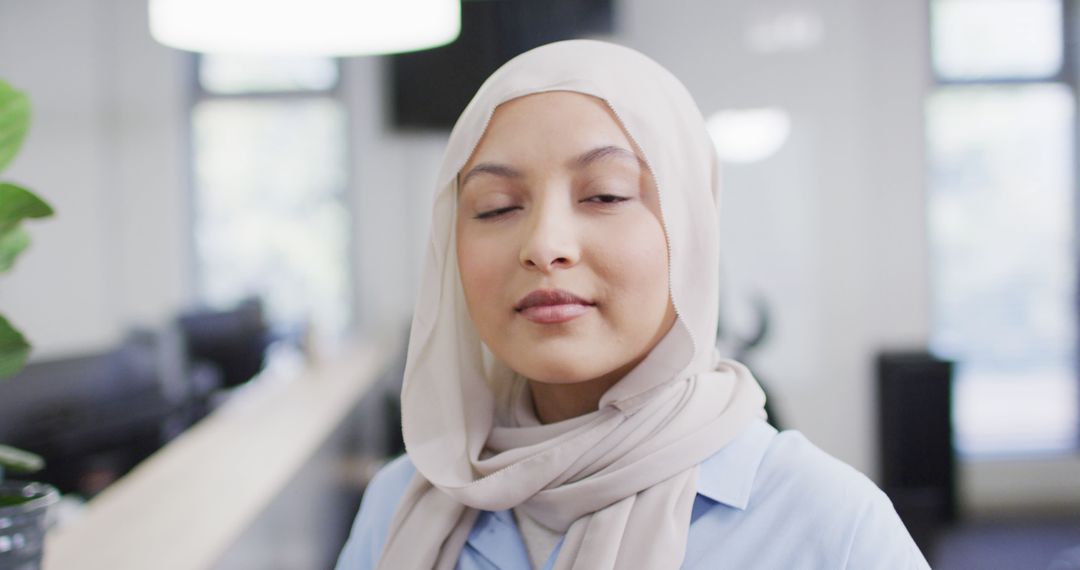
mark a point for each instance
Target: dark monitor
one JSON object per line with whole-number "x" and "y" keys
{"x": 430, "y": 88}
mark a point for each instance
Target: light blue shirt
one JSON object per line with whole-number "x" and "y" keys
{"x": 766, "y": 500}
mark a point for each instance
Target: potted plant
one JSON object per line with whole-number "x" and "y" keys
{"x": 24, "y": 506}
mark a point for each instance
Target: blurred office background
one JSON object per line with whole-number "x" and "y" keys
{"x": 899, "y": 226}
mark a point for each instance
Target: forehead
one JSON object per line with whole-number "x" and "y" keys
{"x": 564, "y": 122}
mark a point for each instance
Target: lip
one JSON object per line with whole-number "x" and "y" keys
{"x": 550, "y": 306}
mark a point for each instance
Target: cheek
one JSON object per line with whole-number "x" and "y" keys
{"x": 481, "y": 278}
{"x": 637, "y": 267}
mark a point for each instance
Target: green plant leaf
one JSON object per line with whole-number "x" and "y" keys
{"x": 17, "y": 204}
{"x": 12, "y": 243}
{"x": 14, "y": 349}
{"x": 20, "y": 461}
{"x": 14, "y": 122}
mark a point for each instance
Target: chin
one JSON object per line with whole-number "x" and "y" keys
{"x": 560, "y": 369}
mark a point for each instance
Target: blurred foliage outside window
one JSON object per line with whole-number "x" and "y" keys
{"x": 1001, "y": 142}
{"x": 269, "y": 156}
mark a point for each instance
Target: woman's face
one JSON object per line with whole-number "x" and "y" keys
{"x": 556, "y": 197}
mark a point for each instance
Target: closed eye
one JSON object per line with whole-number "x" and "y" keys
{"x": 606, "y": 199}
{"x": 494, "y": 213}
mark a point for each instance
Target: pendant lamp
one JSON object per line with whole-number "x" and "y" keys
{"x": 304, "y": 27}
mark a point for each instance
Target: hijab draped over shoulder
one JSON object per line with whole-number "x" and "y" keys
{"x": 619, "y": 481}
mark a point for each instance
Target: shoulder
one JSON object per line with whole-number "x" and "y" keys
{"x": 761, "y": 465}
{"x": 853, "y": 519}
{"x": 792, "y": 464}
{"x": 369, "y": 530}
{"x": 786, "y": 503}
{"x": 387, "y": 486}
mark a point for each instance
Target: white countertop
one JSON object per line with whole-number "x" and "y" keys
{"x": 183, "y": 506}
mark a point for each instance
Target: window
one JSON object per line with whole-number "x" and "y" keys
{"x": 269, "y": 153}
{"x": 1001, "y": 132}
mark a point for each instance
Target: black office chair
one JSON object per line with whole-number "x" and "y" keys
{"x": 92, "y": 417}
{"x": 233, "y": 341}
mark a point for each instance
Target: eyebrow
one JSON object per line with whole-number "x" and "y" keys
{"x": 577, "y": 163}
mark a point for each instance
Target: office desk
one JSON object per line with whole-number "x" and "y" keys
{"x": 189, "y": 503}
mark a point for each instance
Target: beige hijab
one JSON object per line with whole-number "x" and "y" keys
{"x": 619, "y": 481}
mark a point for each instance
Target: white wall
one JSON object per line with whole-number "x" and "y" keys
{"x": 393, "y": 181}
{"x": 107, "y": 149}
{"x": 831, "y": 229}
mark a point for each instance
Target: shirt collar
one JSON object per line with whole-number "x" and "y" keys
{"x": 495, "y": 538}
{"x": 728, "y": 475}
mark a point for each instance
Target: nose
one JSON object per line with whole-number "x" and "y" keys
{"x": 549, "y": 242}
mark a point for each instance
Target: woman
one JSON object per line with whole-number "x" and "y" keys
{"x": 563, "y": 404}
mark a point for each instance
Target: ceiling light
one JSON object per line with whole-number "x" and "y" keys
{"x": 305, "y": 27}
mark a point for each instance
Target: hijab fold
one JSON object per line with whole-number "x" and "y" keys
{"x": 619, "y": 481}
